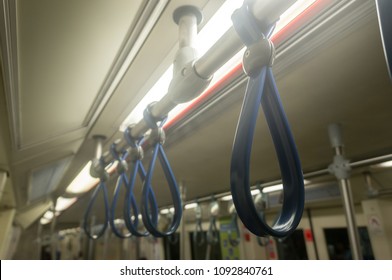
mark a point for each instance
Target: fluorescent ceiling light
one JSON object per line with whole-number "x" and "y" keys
{"x": 191, "y": 205}
{"x": 226, "y": 198}
{"x": 385, "y": 164}
{"x": 49, "y": 215}
{"x": 167, "y": 211}
{"x": 83, "y": 182}
{"x": 44, "y": 221}
{"x": 69, "y": 231}
{"x": 118, "y": 222}
{"x": 274, "y": 188}
{"x": 63, "y": 203}
{"x": 229, "y": 197}
{"x": 211, "y": 32}
{"x": 255, "y": 191}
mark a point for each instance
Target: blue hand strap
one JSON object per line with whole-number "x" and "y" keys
{"x": 86, "y": 226}
{"x": 261, "y": 89}
{"x": 212, "y": 233}
{"x": 151, "y": 225}
{"x": 130, "y": 206}
{"x": 121, "y": 181}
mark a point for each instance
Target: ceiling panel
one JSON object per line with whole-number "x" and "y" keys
{"x": 65, "y": 51}
{"x": 61, "y": 62}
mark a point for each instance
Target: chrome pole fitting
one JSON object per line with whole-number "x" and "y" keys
{"x": 97, "y": 168}
{"x": 122, "y": 165}
{"x": 136, "y": 153}
{"x": 157, "y": 135}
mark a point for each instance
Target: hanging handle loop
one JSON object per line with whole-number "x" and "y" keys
{"x": 212, "y": 233}
{"x": 234, "y": 229}
{"x": 97, "y": 169}
{"x": 261, "y": 89}
{"x": 151, "y": 225}
{"x": 122, "y": 180}
{"x": 198, "y": 237}
{"x": 130, "y": 206}
{"x": 157, "y": 138}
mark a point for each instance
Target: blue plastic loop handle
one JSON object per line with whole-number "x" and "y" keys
{"x": 212, "y": 233}
{"x": 130, "y": 206}
{"x": 86, "y": 226}
{"x": 262, "y": 89}
{"x": 121, "y": 181}
{"x": 151, "y": 225}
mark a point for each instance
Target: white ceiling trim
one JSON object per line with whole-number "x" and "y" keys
{"x": 148, "y": 14}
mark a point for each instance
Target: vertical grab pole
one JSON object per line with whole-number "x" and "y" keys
{"x": 341, "y": 169}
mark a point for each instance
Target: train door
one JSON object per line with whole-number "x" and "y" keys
{"x": 330, "y": 233}
{"x": 339, "y": 247}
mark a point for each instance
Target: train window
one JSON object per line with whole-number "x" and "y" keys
{"x": 292, "y": 247}
{"x": 199, "y": 251}
{"x": 172, "y": 246}
{"x": 339, "y": 247}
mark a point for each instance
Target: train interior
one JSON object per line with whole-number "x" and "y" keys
{"x": 76, "y": 75}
